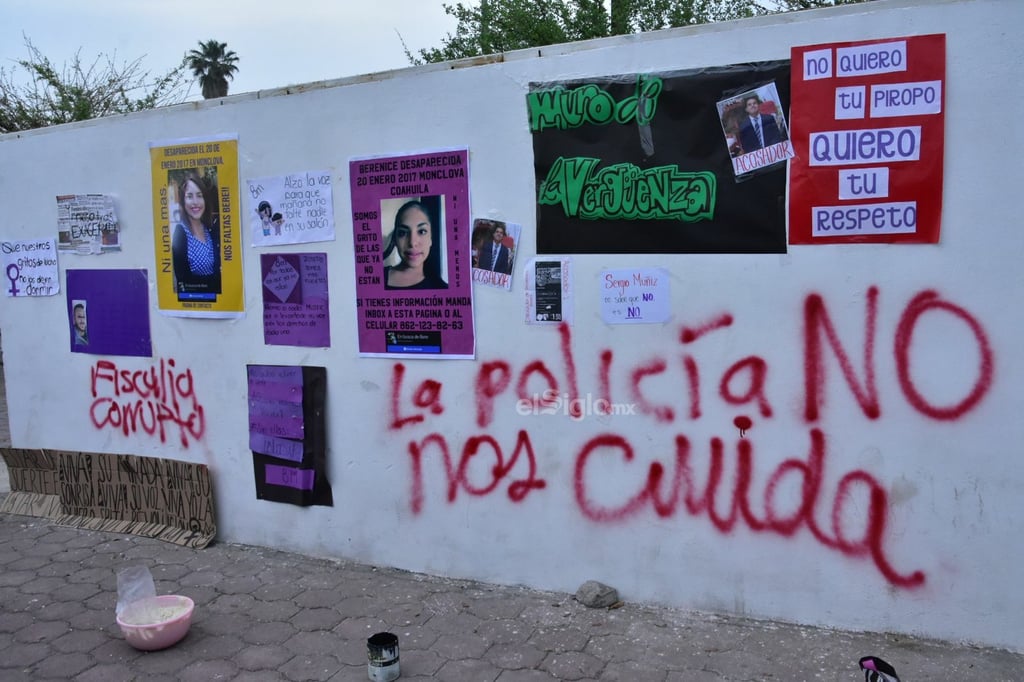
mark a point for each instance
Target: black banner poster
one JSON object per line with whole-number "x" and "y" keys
{"x": 639, "y": 164}
{"x": 288, "y": 434}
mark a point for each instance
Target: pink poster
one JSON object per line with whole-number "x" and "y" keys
{"x": 411, "y": 231}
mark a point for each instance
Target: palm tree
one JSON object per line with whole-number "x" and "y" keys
{"x": 213, "y": 64}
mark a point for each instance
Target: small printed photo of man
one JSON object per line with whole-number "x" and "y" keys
{"x": 79, "y": 323}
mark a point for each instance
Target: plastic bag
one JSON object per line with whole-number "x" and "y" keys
{"x": 133, "y": 583}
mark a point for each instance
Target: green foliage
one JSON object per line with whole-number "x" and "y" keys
{"x": 213, "y": 63}
{"x": 36, "y": 93}
{"x": 494, "y": 26}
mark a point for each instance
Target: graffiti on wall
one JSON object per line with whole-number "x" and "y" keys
{"x": 159, "y": 401}
{"x": 670, "y": 486}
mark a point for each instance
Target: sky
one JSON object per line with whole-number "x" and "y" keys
{"x": 278, "y": 43}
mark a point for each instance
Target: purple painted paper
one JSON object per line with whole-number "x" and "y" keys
{"x": 281, "y": 448}
{"x": 287, "y": 374}
{"x": 295, "y": 301}
{"x": 272, "y": 390}
{"x": 275, "y": 408}
{"x": 435, "y": 322}
{"x": 290, "y": 477}
{"x": 117, "y": 312}
{"x": 287, "y": 427}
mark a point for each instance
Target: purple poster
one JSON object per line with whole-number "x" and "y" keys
{"x": 411, "y": 229}
{"x": 288, "y": 433}
{"x": 295, "y": 309}
{"x": 108, "y": 312}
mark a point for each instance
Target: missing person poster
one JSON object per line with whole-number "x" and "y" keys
{"x": 411, "y": 230}
{"x": 196, "y": 215}
{"x": 868, "y": 129}
{"x": 637, "y": 163}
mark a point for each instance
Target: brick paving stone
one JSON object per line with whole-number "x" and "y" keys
{"x": 310, "y": 643}
{"x": 357, "y": 605}
{"x": 115, "y": 651}
{"x": 418, "y": 663}
{"x": 15, "y": 621}
{"x": 280, "y": 610}
{"x": 361, "y": 628}
{"x": 324, "y": 579}
{"x": 14, "y": 576}
{"x": 630, "y": 671}
{"x": 95, "y": 576}
{"x": 27, "y": 564}
{"x": 461, "y": 646}
{"x": 74, "y": 554}
{"x": 222, "y": 623}
{"x": 496, "y": 607}
{"x": 264, "y": 676}
{"x": 515, "y": 656}
{"x": 311, "y": 667}
{"x": 106, "y": 673}
{"x": 232, "y": 603}
{"x": 64, "y": 666}
{"x": 505, "y": 631}
{"x": 238, "y": 585}
{"x": 467, "y": 671}
{"x": 263, "y": 657}
{"x": 573, "y": 665}
{"x": 21, "y": 655}
{"x": 79, "y": 592}
{"x": 204, "y": 671}
{"x": 415, "y": 637}
{"x": 102, "y": 601}
{"x": 200, "y": 579}
{"x": 268, "y": 633}
{"x": 96, "y": 619}
{"x": 272, "y": 613}
{"x": 168, "y": 572}
{"x": 276, "y": 590}
{"x": 315, "y": 619}
{"x": 40, "y": 632}
{"x": 79, "y": 641}
{"x": 455, "y": 623}
{"x": 353, "y": 651}
{"x": 559, "y": 639}
{"x": 214, "y": 646}
{"x": 166, "y": 662}
{"x": 314, "y": 597}
{"x": 527, "y": 676}
{"x": 404, "y": 615}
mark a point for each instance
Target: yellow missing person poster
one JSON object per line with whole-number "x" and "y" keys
{"x": 197, "y": 218}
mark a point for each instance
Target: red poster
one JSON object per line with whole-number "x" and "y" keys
{"x": 867, "y": 124}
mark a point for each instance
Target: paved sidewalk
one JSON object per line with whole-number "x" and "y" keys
{"x": 269, "y": 615}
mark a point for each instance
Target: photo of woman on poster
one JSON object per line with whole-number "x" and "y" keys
{"x": 414, "y": 254}
{"x": 195, "y": 244}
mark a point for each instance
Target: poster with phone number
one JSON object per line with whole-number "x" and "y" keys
{"x": 411, "y": 233}
{"x": 196, "y": 221}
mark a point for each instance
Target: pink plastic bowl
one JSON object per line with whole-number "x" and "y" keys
{"x": 156, "y": 622}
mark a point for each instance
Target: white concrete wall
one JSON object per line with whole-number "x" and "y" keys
{"x": 949, "y": 491}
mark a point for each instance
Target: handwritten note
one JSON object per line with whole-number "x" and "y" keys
{"x": 635, "y": 296}
{"x": 30, "y": 268}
